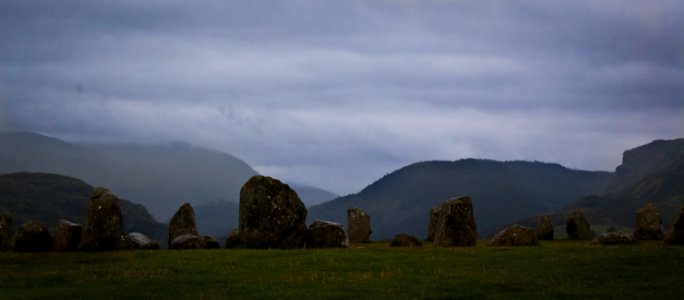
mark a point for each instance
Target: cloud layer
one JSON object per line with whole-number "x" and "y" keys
{"x": 336, "y": 95}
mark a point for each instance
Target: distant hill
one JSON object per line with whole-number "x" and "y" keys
{"x": 47, "y": 198}
{"x": 312, "y": 195}
{"x": 644, "y": 160}
{"x": 650, "y": 173}
{"x": 502, "y": 192}
{"x": 161, "y": 177}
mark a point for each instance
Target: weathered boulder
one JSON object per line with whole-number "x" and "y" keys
{"x": 141, "y": 241}
{"x": 649, "y": 225}
{"x": 675, "y": 235}
{"x": 545, "y": 228}
{"x": 434, "y": 218}
{"x": 182, "y": 222}
{"x": 186, "y": 241}
{"x": 324, "y": 234}
{"x": 67, "y": 236}
{"x": 405, "y": 240}
{"x": 358, "y": 222}
{"x": 614, "y": 238}
{"x": 271, "y": 214}
{"x": 32, "y": 237}
{"x": 5, "y": 232}
{"x": 208, "y": 242}
{"x": 456, "y": 225}
{"x": 233, "y": 240}
{"x": 577, "y": 227}
{"x": 103, "y": 225}
{"x": 514, "y": 235}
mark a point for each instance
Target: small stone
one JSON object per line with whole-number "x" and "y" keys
{"x": 514, "y": 235}
{"x": 405, "y": 240}
{"x": 32, "y": 237}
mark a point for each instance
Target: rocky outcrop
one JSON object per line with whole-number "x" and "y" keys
{"x": 67, "y": 236}
{"x": 271, "y": 214}
{"x": 182, "y": 222}
{"x": 5, "y": 232}
{"x": 577, "y": 227}
{"x": 434, "y": 218}
{"x": 615, "y": 238}
{"x": 675, "y": 236}
{"x": 456, "y": 225}
{"x": 103, "y": 223}
{"x": 324, "y": 234}
{"x": 405, "y": 240}
{"x": 233, "y": 240}
{"x": 545, "y": 228}
{"x": 358, "y": 222}
{"x": 514, "y": 235}
{"x": 143, "y": 242}
{"x": 648, "y": 224}
{"x": 32, "y": 237}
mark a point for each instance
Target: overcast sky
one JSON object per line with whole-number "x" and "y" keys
{"x": 336, "y": 94}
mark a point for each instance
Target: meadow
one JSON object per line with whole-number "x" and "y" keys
{"x": 555, "y": 270}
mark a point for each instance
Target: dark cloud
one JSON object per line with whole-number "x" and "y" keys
{"x": 338, "y": 94}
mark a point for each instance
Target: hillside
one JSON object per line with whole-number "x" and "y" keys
{"x": 47, "y": 198}
{"x": 161, "y": 177}
{"x": 650, "y": 173}
{"x": 501, "y": 191}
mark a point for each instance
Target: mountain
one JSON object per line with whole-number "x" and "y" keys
{"x": 502, "y": 192}
{"x": 312, "y": 195}
{"x": 47, "y": 198}
{"x": 650, "y": 173}
{"x": 161, "y": 177}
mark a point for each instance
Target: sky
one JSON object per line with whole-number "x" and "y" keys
{"x": 336, "y": 94}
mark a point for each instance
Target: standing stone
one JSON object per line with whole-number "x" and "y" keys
{"x": 359, "y": 225}
{"x": 208, "y": 242}
{"x": 182, "y": 222}
{"x": 514, "y": 235}
{"x": 434, "y": 218}
{"x": 233, "y": 240}
{"x": 141, "y": 241}
{"x": 676, "y": 234}
{"x": 32, "y": 237}
{"x": 103, "y": 226}
{"x": 271, "y": 214}
{"x": 649, "y": 225}
{"x": 615, "y": 238}
{"x": 456, "y": 225}
{"x": 405, "y": 240}
{"x": 5, "y": 232}
{"x": 545, "y": 228}
{"x": 67, "y": 236}
{"x": 186, "y": 241}
{"x": 324, "y": 234}
{"x": 578, "y": 227}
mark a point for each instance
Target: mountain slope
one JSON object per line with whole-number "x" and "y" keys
{"x": 161, "y": 177}
{"x": 47, "y": 198}
{"x": 312, "y": 195}
{"x": 501, "y": 191}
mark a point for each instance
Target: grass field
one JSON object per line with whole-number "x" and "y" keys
{"x": 556, "y": 269}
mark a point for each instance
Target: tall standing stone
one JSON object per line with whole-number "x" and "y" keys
{"x": 434, "y": 218}
{"x": 67, "y": 236}
{"x": 182, "y": 222}
{"x": 545, "y": 228}
{"x": 271, "y": 214}
{"x": 5, "y": 231}
{"x": 649, "y": 224}
{"x": 577, "y": 227}
{"x": 103, "y": 226}
{"x": 358, "y": 222}
{"x": 676, "y": 234}
{"x": 32, "y": 237}
{"x": 456, "y": 225}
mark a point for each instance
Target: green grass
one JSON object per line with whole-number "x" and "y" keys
{"x": 556, "y": 269}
